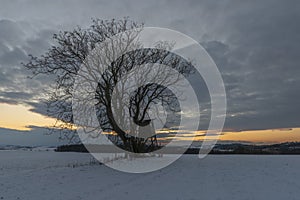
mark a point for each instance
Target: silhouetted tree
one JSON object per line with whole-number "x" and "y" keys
{"x": 65, "y": 58}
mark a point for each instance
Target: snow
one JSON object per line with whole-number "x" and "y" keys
{"x": 52, "y": 175}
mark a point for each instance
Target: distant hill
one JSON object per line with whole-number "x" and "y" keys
{"x": 233, "y": 148}
{"x": 14, "y": 147}
{"x": 26, "y": 148}
{"x": 237, "y": 148}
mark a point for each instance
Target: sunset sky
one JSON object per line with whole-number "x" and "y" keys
{"x": 255, "y": 45}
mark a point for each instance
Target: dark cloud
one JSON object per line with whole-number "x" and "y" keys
{"x": 39, "y": 107}
{"x": 17, "y": 40}
{"x": 9, "y": 101}
{"x": 10, "y": 33}
{"x": 17, "y": 95}
{"x": 37, "y": 136}
{"x": 13, "y": 57}
{"x": 259, "y": 61}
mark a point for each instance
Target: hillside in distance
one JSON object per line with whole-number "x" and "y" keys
{"x": 233, "y": 148}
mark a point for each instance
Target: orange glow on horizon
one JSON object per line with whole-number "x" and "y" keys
{"x": 264, "y": 136}
{"x": 19, "y": 117}
{"x": 254, "y": 136}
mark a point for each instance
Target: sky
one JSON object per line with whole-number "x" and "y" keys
{"x": 255, "y": 45}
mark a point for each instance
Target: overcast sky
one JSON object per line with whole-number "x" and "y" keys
{"x": 255, "y": 44}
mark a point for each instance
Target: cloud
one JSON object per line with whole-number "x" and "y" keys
{"x": 258, "y": 56}
{"x": 39, "y": 107}
{"x": 255, "y": 44}
{"x": 17, "y": 40}
{"x": 38, "y": 136}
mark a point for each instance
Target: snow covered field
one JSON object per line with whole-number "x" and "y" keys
{"x": 50, "y": 175}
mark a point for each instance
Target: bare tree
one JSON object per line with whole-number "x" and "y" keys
{"x": 132, "y": 129}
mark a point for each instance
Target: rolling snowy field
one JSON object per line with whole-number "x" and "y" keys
{"x": 50, "y": 175}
